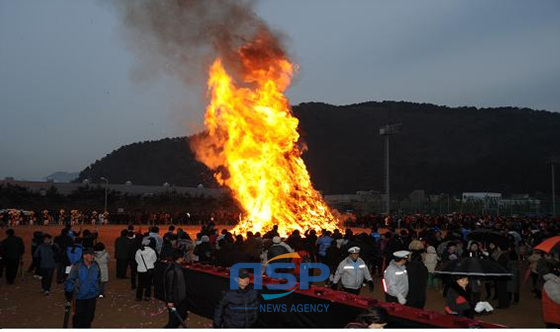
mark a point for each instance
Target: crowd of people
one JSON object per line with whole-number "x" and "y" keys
{"x": 74, "y": 217}
{"x": 407, "y": 261}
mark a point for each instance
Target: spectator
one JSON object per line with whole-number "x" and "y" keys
{"x": 62, "y": 242}
{"x": 154, "y": 233}
{"x": 373, "y": 318}
{"x": 417, "y": 277}
{"x": 430, "y": 259}
{"x": 45, "y": 256}
{"x": 204, "y": 250}
{"x": 145, "y": 259}
{"x": 83, "y": 283}
{"x": 458, "y": 298}
{"x": 13, "y": 251}
{"x": 238, "y": 308}
{"x": 122, "y": 244}
{"x": 102, "y": 259}
{"x": 74, "y": 253}
{"x": 175, "y": 290}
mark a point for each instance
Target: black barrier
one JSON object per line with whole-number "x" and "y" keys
{"x": 205, "y": 285}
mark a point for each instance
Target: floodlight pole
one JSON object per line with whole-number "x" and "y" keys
{"x": 106, "y": 185}
{"x": 387, "y": 131}
{"x": 553, "y": 161}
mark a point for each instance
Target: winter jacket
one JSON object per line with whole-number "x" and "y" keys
{"x": 396, "y": 280}
{"x": 45, "y": 254}
{"x": 551, "y": 299}
{"x": 430, "y": 259}
{"x": 203, "y": 251}
{"x": 63, "y": 242}
{"x": 145, "y": 258}
{"x": 533, "y": 259}
{"x": 277, "y": 250}
{"x": 74, "y": 253}
{"x": 237, "y": 309}
{"x": 324, "y": 243}
{"x": 457, "y": 302}
{"x": 158, "y": 239}
{"x": 186, "y": 246}
{"x": 102, "y": 258}
{"x": 122, "y": 244}
{"x": 352, "y": 273}
{"x": 83, "y": 281}
{"x": 417, "y": 284}
{"x": 13, "y": 248}
{"x": 175, "y": 287}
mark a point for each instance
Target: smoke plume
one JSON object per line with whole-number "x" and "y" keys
{"x": 183, "y": 37}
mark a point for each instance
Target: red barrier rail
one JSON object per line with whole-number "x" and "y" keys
{"x": 423, "y": 317}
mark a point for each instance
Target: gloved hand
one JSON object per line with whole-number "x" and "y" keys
{"x": 69, "y": 296}
{"x": 401, "y": 299}
{"x": 334, "y": 286}
{"x": 370, "y": 284}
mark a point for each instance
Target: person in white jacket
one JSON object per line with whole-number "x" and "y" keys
{"x": 352, "y": 271}
{"x": 395, "y": 278}
{"x": 430, "y": 259}
{"x": 145, "y": 258}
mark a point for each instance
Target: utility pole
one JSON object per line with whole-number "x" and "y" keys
{"x": 387, "y": 131}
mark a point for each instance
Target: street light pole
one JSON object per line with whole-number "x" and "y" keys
{"x": 106, "y": 186}
{"x": 387, "y": 131}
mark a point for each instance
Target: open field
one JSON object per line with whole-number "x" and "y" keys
{"x": 23, "y": 305}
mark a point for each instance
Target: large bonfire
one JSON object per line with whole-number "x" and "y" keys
{"x": 252, "y": 144}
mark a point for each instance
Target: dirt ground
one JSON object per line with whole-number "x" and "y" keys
{"x": 23, "y": 306}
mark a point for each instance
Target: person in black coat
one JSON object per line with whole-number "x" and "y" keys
{"x": 35, "y": 243}
{"x": 175, "y": 290}
{"x": 13, "y": 250}
{"x": 417, "y": 281}
{"x": 134, "y": 243}
{"x": 61, "y": 243}
{"x": 238, "y": 308}
{"x": 122, "y": 244}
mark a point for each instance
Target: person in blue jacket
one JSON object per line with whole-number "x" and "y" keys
{"x": 83, "y": 285}
{"x": 74, "y": 252}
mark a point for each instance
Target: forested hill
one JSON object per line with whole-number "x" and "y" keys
{"x": 439, "y": 149}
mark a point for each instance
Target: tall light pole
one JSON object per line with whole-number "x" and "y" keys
{"x": 106, "y": 186}
{"x": 387, "y": 131}
{"x": 553, "y": 160}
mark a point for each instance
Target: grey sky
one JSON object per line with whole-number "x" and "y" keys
{"x": 69, "y": 94}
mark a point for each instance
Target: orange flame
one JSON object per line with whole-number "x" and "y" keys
{"x": 252, "y": 146}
